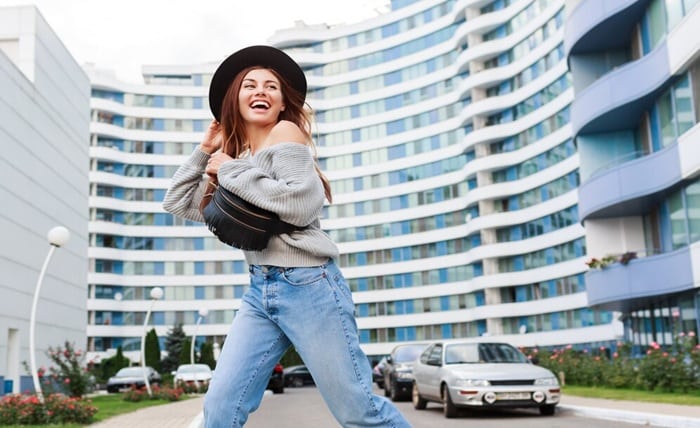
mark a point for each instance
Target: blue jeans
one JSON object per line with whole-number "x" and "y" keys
{"x": 312, "y": 309}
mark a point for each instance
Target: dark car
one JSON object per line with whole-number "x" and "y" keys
{"x": 276, "y": 383}
{"x": 132, "y": 377}
{"x": 398, "y": 371}
{"x": 297, "y": 376}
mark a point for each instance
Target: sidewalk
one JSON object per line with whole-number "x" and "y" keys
{"x": 187, "y": 414}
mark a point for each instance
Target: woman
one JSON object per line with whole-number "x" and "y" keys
{"x": 259, "y": 148}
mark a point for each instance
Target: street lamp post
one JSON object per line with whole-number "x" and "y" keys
{"x": 202, "y": 313}
{"x": 57, "y": 237}
{"x": 156, "y": 293}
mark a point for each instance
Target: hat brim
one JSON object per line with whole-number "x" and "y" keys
{"x": 266, "y": 56}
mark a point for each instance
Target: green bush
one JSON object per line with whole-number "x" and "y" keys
{"x": 672, "y": 369}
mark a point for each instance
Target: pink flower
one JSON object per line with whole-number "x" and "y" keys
{"x": 681, "y": 334}
{"x": 691, "y": 333}
{"x": 66, "y": 381}
{"x": 615, "y": 355}
{"x": 569, "y": 346}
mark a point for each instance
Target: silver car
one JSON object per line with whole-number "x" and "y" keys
{"x": 464, "y": 374}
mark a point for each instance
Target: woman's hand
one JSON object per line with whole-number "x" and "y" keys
{"x": 213, "y": 138}
{"x": 215, "y": 161}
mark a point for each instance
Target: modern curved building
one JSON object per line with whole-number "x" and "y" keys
{"x": 444, "y": 127}
{"x": 636, "y": 74}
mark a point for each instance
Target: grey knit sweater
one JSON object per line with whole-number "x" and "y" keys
{"x": 280, "y": 179}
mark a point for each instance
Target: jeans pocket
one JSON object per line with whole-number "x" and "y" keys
{"x": 303, "y": 275}
{"x": 342, "y": 285}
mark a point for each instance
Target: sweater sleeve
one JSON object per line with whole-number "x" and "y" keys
{"x": 281, "y": 179}
{"x": 187, "y": 188}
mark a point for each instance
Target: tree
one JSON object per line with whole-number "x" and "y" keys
{"x": 110, "y": 366}
{"x": 152, "y": 350}
{"x": 291, "y": 358}
{"x": 185, "y": 351}
{"x": 173, "y": 346}
{"x": 206, "y": 355}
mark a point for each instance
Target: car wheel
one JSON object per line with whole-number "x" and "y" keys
{"x": 449, "y": 409}
{"x": 419, "y": 403}
{"x": 547, "y": 410}
{"x": 297, "y": 382}
{"x": 279, "y": 390}
{"x": 394, "y": 393}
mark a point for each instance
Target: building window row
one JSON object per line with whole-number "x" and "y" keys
{"x": 544, "y": 290}
{"x": 529, "y": 44}
{"x": 151, "y": 124}
{"x": 196, "y": 292}
{"x": 424, "y": 305}
{"x": 392, "y": 178}
{"x": 423, "y": 332}
{"x": 393, "y": 127}
{"x": 146, "y": 100}
{"x": 660, "y": 18}
{"x": 540, "y": 226}
{"x": 405, "y": 227}
{"x": 519, "y": 21}
{"x": 387, "y": 55}
{"x": 554, "y": 321}
{"x": 538, "y": 195}
{"x": 122, "y": 267}
{"x": 385, "y": 31}
{"x": 398, "y": 202}
{"x": 144, "y": 219}
{"x": 542, "y": 258}
{"x": 399, "y": 151}
{"x": 119, "y": 318}
{"x": 536, "y": 164}
{"x": 136, "y": 170}
{"x": 148, "y": 147}
{"x": 417, "y": 279}
{"x": 381, "y": 81}
{"x": 529, "y": 74}
{"x": 531, "y": 104}
{"x": 532, "y": 134}
{"x": 391, "y": 103}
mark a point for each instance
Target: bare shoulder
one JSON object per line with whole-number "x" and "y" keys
{"x": 286, "y": 132}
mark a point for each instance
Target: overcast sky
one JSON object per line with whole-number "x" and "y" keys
{"x": 123, "y": 35}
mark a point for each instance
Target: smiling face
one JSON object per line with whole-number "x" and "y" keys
{"x": 260, "y": 99}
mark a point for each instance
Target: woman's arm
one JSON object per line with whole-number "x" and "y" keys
{"x": 187, "y": 188}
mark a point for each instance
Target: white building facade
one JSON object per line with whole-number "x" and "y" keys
{"x": 44, "y": 124}
{"x": 444, "y": 129}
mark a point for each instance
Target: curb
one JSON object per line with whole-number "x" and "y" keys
{"x": 639, "y": 418}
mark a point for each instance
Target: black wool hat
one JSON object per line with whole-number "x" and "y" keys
{"x": 265, "y": 56}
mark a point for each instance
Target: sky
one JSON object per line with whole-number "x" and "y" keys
{"x": 123, "y": 35}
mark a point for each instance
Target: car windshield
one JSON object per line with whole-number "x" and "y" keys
{"x": 192, "y": 369}
{"x": 467, "y": 353}
{"x": 131, "y": 371}
{"x": 407, "y": 353}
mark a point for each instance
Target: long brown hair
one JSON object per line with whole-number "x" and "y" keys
{"x": 235, "y": 141}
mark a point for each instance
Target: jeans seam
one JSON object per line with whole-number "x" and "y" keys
{"x": 255, "y": 373}
{"x": 368, "y": 394}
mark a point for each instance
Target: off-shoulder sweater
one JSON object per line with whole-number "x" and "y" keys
{"x": 281, "y": 179}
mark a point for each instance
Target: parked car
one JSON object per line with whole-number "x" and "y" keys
{"x": 398, "y": 371}
{"x": 276, "y": 382}
{"x": 462, "y": 374}
{"x": 189, "y": 373}
{"x": 129, "y": 377}
{"x": 378, "y": 373}
{"x": 297, "y": 376}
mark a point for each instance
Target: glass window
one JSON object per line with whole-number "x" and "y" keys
{"x": 677, "y": 218}
{"x": 692, "y": 198}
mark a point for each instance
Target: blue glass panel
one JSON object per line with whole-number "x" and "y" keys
{"x": 354, "y": 111}
{"x": 158, "y": 318}
{"x": 411, "y": 333}
{"x": 357, "y": 183}
{"x": 356, "y": 135}
{"x": 356, "y": 159}
{"x": 199, "y": 292}
{"x": 390, "y": 29}
{"x": 158, "y": 101}
{"x": 199, "y": 268}
{"x": 446, "y": 331}
{"x": 354, "y": 87}
{"x": 359, "y": 208}
{"x": 364, "y": 336}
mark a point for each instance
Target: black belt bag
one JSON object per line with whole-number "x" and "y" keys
{"x": 239, "y": 223}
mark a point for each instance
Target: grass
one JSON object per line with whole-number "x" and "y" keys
{"x": 690, "y": 399}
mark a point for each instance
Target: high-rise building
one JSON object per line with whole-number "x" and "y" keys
{"x": 44, "y": 125}
{"x": 444, "y": 127}
{"x": 636, "y": 73}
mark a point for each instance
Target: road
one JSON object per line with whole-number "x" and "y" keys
{"x": 304, "y": 408}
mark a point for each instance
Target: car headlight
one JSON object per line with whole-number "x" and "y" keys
{"x": 547, "y": 381}
{"x": 466, "y": 383}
